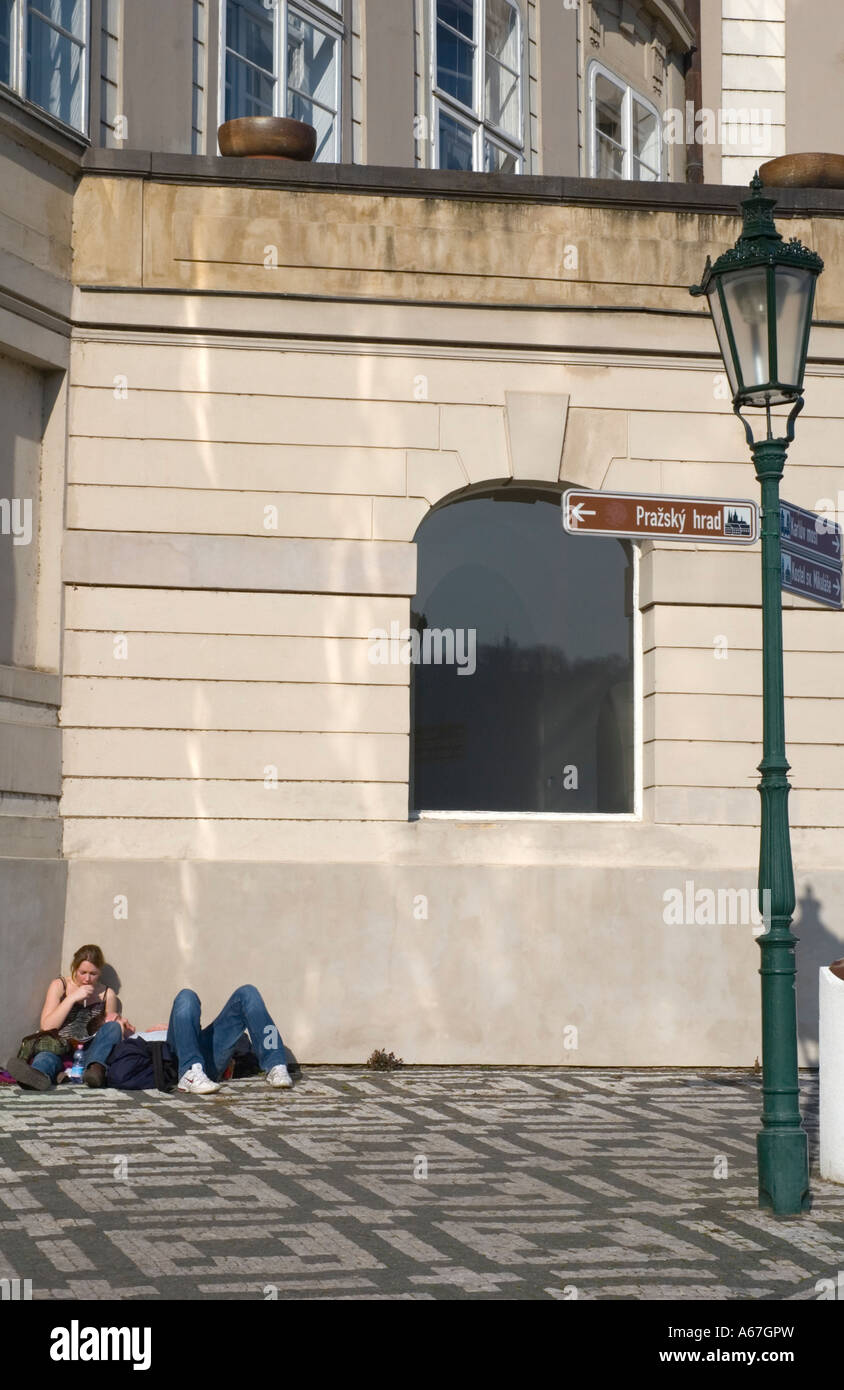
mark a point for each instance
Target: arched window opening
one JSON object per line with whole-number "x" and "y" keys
{"x": 522, "y": 686}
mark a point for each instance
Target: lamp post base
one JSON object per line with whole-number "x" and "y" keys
{"x": 783, "y": 1171}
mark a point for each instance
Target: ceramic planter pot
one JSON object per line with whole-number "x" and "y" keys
{"x": 804, "y": 171}
{"x": 267, "y": 137}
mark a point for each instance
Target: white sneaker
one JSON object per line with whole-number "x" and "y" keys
{"x": 197, "y": 1082}
{"x": 279, "y": 1076}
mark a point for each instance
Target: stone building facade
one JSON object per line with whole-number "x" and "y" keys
{"x": 237, "y": 398}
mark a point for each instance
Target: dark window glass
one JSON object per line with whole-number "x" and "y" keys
{"x": 459, "y": 14}
{"x": 455, "y": 58}
{"x": 249, "y": 32}
{"x": 248, "y": 91}
{"x": 550, "y": 701}
{"x": 5, "y": 35}
{"x": 455, "y": 144}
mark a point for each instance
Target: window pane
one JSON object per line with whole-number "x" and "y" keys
{"x": 502, "y": 98}
{"x": 610, "y": 161}
{"x": 54, "y": 72}
{"x": 544, "y": 722}
{"x": 5, "y": 41}
{"x": 455, "y": 144}
{"x": 455, "y": 60}
{"x": 249, "y": 32}
{"x": 70, "y": 14}
{"x": 502, "y": 32}
{"x": 311, "y": 69}
{"x": 312, "y": 82}
{"x": 645, "y": 139}
{"x": 325, "y": 124}
{"x": 498, "y": 160}
{"x": 248, "y": 91}
{"x": 643, "y": 172}
{"x": 608, "y": 103}
{"x": 459, "y": 14}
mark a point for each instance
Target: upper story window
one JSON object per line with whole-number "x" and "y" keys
{"x": 477, "y": 77}
{"x": 44, "y": 55}
{"x": 625, "y": 131}
{"x": 284, "y": 60}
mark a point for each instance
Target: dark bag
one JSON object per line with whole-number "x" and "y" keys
{"x": 46, "y": 1040}
{"x": 244, "y": 1061}
{"x": 139, "y": 1065}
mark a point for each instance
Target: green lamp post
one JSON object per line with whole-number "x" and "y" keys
{"x": 761, "y": 295}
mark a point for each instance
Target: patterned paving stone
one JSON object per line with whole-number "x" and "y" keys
{"x": 426, "y": 1183}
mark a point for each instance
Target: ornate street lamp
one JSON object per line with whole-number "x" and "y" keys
{"x": 761, "y": 295}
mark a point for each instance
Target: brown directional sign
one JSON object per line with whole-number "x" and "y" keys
{"x": 725, "y": 520}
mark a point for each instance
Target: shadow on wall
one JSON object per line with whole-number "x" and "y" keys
{"x": 817, "y": 946}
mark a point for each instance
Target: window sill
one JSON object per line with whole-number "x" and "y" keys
{"x": 38, "y": 131}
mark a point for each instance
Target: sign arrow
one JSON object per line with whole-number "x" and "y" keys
{"x": 577, "y": 512}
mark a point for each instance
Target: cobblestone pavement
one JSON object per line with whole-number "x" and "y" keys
{"x": 425, "y": 1183}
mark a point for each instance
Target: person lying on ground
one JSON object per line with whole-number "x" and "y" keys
{"x": 204, "y": 1053}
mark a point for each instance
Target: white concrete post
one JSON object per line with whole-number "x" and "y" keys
{"x": 831, "y": 1056}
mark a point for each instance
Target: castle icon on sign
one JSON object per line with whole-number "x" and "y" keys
{"x": 737, "y": 521}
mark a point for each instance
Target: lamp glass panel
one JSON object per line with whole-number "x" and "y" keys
{"x": 794, "y": 305}
{"x": 746, "y": 300}
{"x": 723, "y": 341}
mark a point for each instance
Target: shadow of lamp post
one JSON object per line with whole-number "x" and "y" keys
{"x": 761, "y": 295}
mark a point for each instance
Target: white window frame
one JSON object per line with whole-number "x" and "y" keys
{"x": 328, "y": 18}
{"x": 475, "y": 117}
{"x": 17, "y": 61}
{"x": 597, "y": 69}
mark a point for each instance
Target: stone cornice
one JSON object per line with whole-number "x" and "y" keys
{"x": 451, "y": 185}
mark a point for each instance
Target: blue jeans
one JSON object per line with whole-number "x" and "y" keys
{"x": 213, "y": 1047}
{"x": 97, "y": 1050}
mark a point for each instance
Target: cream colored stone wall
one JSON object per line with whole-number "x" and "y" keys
{"x": 753, "y": 68}
{"x": 203, "y": 648}
{"x": 36, "y": 192}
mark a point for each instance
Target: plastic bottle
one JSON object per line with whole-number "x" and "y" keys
{"x": 78, "y": 1065}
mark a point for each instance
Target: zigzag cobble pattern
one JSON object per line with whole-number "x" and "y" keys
{"x": 424, "y": 1183}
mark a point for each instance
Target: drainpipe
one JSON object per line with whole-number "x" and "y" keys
{"x": 694, "y": 94}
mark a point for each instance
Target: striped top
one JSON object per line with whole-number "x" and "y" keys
{"x": 80, "y": 1015}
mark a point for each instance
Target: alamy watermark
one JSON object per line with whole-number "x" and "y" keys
{"x": 433, "y": 646}
{"x": 16, "y": 519}
{"x": 711, "y": 907}
{"x": 728, "y": 126}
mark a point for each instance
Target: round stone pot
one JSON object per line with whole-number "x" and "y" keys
{"x": 804, "y": 171}
{"x": 267, "y": 137}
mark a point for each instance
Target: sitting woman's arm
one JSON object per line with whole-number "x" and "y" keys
{"x": 56, "y": 1009}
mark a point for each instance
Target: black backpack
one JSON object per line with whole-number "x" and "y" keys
{"x": 139, "y": 1065}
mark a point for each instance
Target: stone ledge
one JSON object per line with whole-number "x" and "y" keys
{"x": 449, "y": 184}
{"x": 31, "y": 687}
